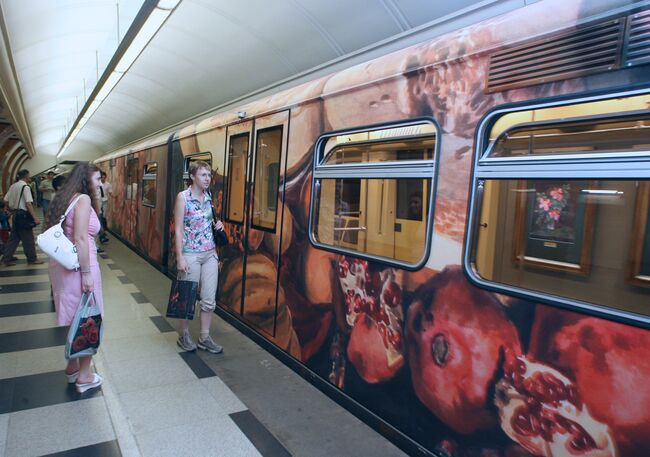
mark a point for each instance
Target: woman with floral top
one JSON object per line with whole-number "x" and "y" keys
{"x": 195, "y": 251}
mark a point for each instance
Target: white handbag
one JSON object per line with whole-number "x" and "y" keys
{"x": 57, "y": 246}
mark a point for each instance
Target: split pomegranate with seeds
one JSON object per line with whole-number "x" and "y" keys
{"x": 542, "y": 410}
{"x": 373, "y": 305}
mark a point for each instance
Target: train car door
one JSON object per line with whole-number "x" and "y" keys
{"x": 257, "y": 155}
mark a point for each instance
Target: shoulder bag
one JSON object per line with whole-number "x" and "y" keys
{"x": 22, "y": 219}
{"x": 57, "y": 246}
{"x": 220, "y": 237}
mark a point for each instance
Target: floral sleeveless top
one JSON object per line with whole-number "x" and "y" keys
{"x": 197, "y": 223}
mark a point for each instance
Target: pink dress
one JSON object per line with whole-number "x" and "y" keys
{"x": 66, "y": 284}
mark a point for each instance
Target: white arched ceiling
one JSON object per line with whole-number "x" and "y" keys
{"x": 208, "y": 53}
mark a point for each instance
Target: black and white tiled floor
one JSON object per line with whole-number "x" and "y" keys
{"x": 156, "y": 401}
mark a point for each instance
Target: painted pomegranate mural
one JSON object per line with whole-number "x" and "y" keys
{"x": 611, "y": 364}
{"x": 373, "y": 304}
{"x": 542, "y": 410}
{"x": 457, "y": 340}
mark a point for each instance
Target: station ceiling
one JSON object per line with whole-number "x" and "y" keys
{"x": 208, "y": 54}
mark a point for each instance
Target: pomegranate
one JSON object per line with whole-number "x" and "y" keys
{"x": 542, "y": 410}
{"x": 373, "y": 305}
{"x": 457, "y": 336}
{"x": 611, "y": 365}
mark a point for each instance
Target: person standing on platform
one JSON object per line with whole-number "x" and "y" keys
{"x": 46, "y": 189}
{"x": 20, "y": 200}
{"x": 81, "y": 227}
{"x": 104, "y": 190}
{"x": 196, "y": 257}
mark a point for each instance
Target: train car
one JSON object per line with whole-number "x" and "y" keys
{"x": 451, "y": 240}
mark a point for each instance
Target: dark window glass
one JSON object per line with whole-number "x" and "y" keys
{"x": 237, "y": 154}
{"x": 267, "y": 177}
{"x": 149, "y": 184}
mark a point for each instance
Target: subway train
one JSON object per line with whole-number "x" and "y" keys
{"x": 451, "y": 240}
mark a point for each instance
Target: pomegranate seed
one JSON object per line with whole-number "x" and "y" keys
{"x": 372, "y": 305}
{"x": 358, "y": 303}
{"x": 521, "y": 422}
{"x": 546, "y": 429}
{"x": 582, "y": 441}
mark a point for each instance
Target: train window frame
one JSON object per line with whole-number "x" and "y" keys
{"x": 279, "y": 128}
{"x": 592, "y": 166}
{"x": 147, "y": 175}
{"x": 407, "y": 169}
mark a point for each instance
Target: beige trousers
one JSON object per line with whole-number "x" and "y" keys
{"x": 204, "y": 269}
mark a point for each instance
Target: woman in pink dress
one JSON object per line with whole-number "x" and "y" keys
{"x": 80, "y": 226}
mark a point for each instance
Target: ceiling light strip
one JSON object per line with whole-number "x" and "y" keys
{"x": 148, "y": 21}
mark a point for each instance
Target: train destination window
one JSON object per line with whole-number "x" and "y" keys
{"x": 267, "y": 178}
{"x": 373, "y": 192}
{"x": 238, "y": 155}
{"x": 149, "y": 181}
{"x": 576, "y": 231}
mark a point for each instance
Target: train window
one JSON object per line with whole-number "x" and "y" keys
{"x": 373, "y": 216}
{"x": 238, "y": 154}
{"x": 267, "y": 178}
{"x": 373, "y": 192}
{"x": 202, "y": 156}
{"x": 132, "y": 179}
{"x": 149, "y": 182}
{"x": 574, "y": 228}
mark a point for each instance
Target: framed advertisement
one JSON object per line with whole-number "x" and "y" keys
{"x": 639, "y": 265}
{"x": 554, "y": 225}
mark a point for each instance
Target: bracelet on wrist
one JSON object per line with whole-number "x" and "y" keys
{"x": 84, "y": 271}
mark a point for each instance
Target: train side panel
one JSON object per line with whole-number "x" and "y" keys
{"x": 459, "y": 359}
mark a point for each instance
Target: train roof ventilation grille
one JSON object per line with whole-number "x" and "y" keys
{"x": 637, "y": 39}
{"x": 564, "y": 55}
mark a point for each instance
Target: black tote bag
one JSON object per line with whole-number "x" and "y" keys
{"x": 182, "y": 299}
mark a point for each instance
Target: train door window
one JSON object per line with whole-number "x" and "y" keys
{"x": 560, "y": 206}
{"x": 373, "y": 192}
{"x": 132, "y": 179}
{"x": 149, "y": 182}
{"x": 267, "y": 178}
{"x": 238, "y": 155}
{"x": 199, "y": 156}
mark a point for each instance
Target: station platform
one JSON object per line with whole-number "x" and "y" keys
{"x": 155, "y": 400}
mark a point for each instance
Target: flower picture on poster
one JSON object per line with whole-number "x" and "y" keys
{"x": 639, "y": 270}
{"x": 554, "y": 225}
